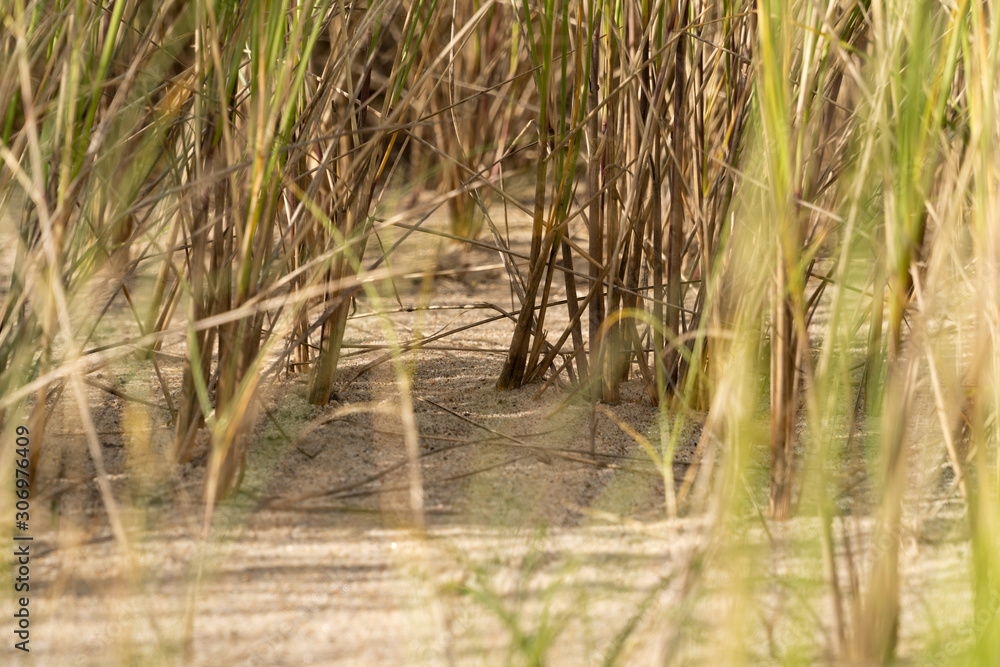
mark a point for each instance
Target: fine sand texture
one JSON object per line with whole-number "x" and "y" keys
{"x": 533, "y": 530}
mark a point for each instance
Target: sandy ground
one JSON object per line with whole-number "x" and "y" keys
{"x": 559, "y": 554}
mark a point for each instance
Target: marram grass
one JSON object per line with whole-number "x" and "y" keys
{"x": 782, "y": 217}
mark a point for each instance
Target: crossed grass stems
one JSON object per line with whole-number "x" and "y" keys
{"x": 707, "y": 175}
